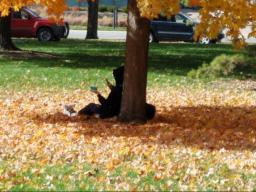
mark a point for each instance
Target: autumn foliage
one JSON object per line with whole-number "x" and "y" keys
{"x": 151, "y": 8}
{"x": 215, "y": 15}
{"x": 54, "y": 7}
{"x": 200, "y": 138}
{"x": 232, "y": 15}
{"x": 192, "y": 3}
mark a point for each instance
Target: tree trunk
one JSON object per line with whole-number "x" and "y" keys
{"x": 92, "y": 24}
{"x": 5, "y": 34}
{"x": 135, "y": 75}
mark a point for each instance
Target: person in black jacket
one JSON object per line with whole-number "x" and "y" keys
{"x": 110, "y": 106}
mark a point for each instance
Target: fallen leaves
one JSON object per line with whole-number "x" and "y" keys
{"x": 200, "y": 139}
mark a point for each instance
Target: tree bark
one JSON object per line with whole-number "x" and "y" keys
{"x": 92, "y": 24}
{"x": 136, "y": 59}
{"x": 5, "y": 34}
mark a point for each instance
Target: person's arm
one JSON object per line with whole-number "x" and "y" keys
{"x": 110, "y": 85}
{"x": 101, "y": 99}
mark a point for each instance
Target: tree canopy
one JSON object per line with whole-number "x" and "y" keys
{"x": 55, "y": 8}
{"x": 151, "y": 8}
{"x": 230, "y": 15}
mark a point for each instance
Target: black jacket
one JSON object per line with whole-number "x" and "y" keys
{"x": 111, "y": 106}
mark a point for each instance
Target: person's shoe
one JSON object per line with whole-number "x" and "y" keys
{"x": 69, "y": 110}
{"x": 97, "y": 116}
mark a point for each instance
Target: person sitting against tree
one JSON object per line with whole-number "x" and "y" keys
{"x": 110, "y": 106}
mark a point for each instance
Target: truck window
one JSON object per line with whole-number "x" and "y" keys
{"x": 21, "y": 15}
{"x": 160, "y": 18}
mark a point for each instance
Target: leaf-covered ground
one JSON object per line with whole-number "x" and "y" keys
{"x": 201, "y": 139}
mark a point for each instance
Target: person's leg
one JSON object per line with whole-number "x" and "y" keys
{"x": 90, "y": 109}
{"x": 150, "y": 111}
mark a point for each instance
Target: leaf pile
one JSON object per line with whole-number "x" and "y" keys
{"x": 200, "y": 139}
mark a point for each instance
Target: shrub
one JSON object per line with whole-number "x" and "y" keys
{"x": 76, "y": 19}
{"x": 222, "y": 65}
{"x": 105, "y": 21}
{"x": 122, "y": 23}
{"x": 124, "y": 9}
{"x": 251, "y": 50}
{"x": 105, "y": 9}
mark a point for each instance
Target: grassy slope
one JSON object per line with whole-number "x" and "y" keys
{"x": 80, "y": 64}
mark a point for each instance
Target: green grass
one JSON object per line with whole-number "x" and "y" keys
{"x": 86, "y": 177}
{"x": 80, "y": 63}
{"x": 62, "y": 177}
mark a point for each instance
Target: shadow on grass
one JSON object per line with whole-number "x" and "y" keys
{"x": 203, "y": 127}
{"x": 176, "y": 58}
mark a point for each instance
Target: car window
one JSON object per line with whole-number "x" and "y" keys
{"x": 180, "y": 19}
{"x": 175, "y": 18}
{"x": 34, "y": 14}
{"x": 17, "y": 15}
{"x": 160, "y": 18}
{"x": 172, "y": 18}
{"x": 21, "y": 15}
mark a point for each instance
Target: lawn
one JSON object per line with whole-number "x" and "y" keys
{"x": 202, "y": 138}
{"x": 76, "y": 64}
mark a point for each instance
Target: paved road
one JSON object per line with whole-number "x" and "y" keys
{"x": 108, "y": 35}
{"x": 121, "y": 35}
{"x": 245, "y": 33}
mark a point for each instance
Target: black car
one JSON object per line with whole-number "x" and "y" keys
{"x": 179, "y": 27}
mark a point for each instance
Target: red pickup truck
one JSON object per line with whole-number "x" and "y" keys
{"x": 26, "y": 23}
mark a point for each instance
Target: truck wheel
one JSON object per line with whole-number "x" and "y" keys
{"x": 56, "y": 38}
{"x": 44, "y": 34}
{"x": 66, "y": 33}
{"x": 214, "y": 41}
{"x": 152, "y": 38}
{"x": 205, "y": 41}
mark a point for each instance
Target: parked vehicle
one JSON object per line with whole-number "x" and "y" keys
{"x": 26, "y": 23}
{"x": 179, "y": 27}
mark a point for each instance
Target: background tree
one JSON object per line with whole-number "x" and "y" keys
{"x": 5, "y": 34}
{"x": 92, "y": 24}
{"x": 135, "y": 77}
{"x": 136, "y": 57}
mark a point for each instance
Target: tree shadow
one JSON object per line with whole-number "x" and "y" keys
{"x": 202, "y": 127}
{"x": 174, "y": 58}
{"x": 23, "y": 54}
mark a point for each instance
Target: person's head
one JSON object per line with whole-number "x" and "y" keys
{"x": 119, "y": 75}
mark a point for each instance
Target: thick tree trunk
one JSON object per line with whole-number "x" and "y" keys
{"x": 5, "y": 34}
{"x": 135, "y": 75}
{"x": 92, "y": 24}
